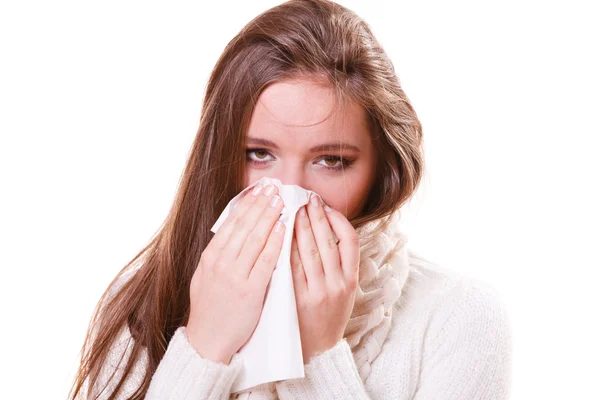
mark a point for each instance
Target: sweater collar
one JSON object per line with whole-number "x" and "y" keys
{"x": 383, "y": 272}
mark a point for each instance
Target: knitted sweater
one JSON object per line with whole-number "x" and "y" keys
{"x": 448, "y": 337}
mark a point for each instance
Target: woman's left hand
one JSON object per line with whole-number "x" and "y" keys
{"x": 325, "y": 276}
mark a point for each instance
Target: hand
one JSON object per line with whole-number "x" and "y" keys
{"x": 228, "y": 288}
{"x": 325, "y": 276}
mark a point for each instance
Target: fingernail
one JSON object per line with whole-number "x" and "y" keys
{"x": 270, "y": 189}
{"x": 327, "y": 208}
{"x": 274, "y": 201}
{"x": 278, "y": 226}
{"x": 314, "y": 201}
{"x": 256, "y": 190}
{"x": 303, "y": 212}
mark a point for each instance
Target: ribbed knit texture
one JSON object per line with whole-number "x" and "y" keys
{"x": 329, "y": 376}
{"x": 417, "y": 331}
{"x": 213, "y": 380}
{"x": 188, "y": 375}
{"x": 383, "y": 270}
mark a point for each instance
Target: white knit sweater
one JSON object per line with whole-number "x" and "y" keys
{"x": 450, "y": 339}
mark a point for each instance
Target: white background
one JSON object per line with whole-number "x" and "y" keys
{"x": 100, "y": 102}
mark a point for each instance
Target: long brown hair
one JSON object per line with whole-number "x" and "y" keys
{"x": 310, "y": 38}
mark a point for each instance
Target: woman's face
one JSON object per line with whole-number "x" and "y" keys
{"x": 292, "y": 138}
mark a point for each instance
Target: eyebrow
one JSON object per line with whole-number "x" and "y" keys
{"x": 314, "y": 149}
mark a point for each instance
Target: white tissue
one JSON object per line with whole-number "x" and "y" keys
{"x": 274, "y": 351}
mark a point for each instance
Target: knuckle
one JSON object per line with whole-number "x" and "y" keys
{"x": 352, "y": 284}
{"x": 331, "y": 243}
{"x": 339, "y": 290}
{"x": 235, "y": 219}
{"x": 255, "y": 237}
{"x": 244, "y": 293}
{"x": 319, "y": 299}
{"x": 313, "y": 253}
{"x": 320, "y": 217}
{"x": 354, "y": 239}
{"x": 266, "y": 258}
{"x": 296, "y": 265}
{"x": 241, "y": 287}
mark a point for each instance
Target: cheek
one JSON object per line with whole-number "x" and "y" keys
{"x": 250, "y": 177}
{"x": 254, "y": 174}
{"x": 346, "y": 197}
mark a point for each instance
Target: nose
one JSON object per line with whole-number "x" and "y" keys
{"x": 292, "y": 178}
{"x": 292, "y": 174}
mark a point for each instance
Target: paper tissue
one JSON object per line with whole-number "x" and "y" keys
{"x": 274, "y": 351}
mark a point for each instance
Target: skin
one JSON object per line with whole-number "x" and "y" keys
{"x": 228, "y": 288}
{"x": 294, "y": 116}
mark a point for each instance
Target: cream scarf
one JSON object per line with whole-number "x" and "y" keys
{"x": 383, "y": 272}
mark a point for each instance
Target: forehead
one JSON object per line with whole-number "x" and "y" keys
{"x": 308, "y": 112}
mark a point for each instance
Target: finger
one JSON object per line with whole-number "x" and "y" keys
{"x": 330, "y": 254}
{"x": 297, "y": 268}
{"x": 262, "y": 270}
{"x": 248, "y": 221}
{"x": 348, "y": 243}
{"x": 256, "y": 240}
{"x": 222, "y": 235}
{"x": 309, "y": 252}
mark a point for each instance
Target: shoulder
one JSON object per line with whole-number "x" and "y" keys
{"x": 122, "y": 348}
{"x": 122, "y": 344}
{"x": 443, "y": 296}
{"x": 452, "y": 323}
{"x": 455, "y": 321}
{"x": 439, "y": 305}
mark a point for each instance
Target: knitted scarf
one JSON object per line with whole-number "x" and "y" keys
{"x": 383, "y": 272}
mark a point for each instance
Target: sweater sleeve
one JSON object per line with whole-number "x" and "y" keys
{"x": 184, "y": 374}
{"x": 181, "y": 374}
{"x": 469, "y": 356}
{"x": 466, "y": 355}
{"x": 329, "y": 375}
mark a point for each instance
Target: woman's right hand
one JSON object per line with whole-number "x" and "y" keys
{"x": 228, "y": 288}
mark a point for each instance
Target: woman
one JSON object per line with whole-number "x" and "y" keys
{"x": 305, "y": 94}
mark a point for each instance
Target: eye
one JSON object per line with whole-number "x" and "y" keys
{"x": 332, "y": 161}
{"x": 261, "y": 155}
